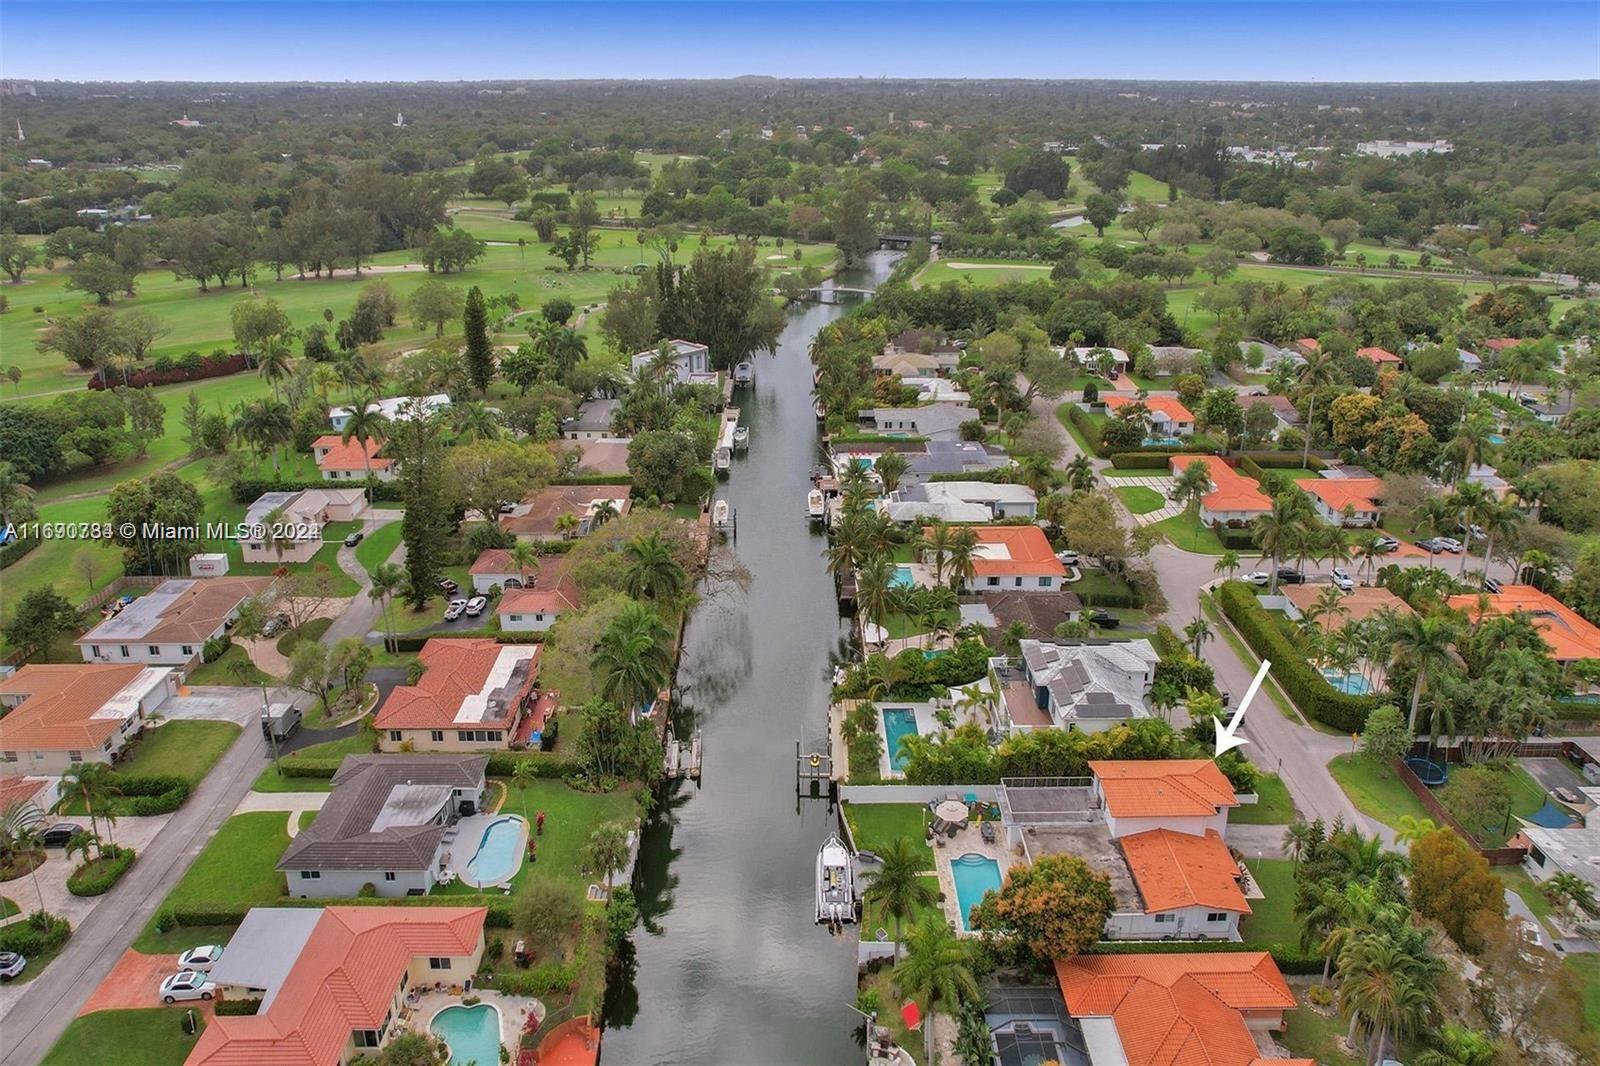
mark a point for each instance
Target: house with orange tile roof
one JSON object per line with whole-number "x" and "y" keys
{"x": 1013, "y": 559}
{"x": 473, "y": 695}
{"x": 1380, "y": 357}
{"x": 1352, "y": 502}
{"x": 1308, "y": 345}
{"x": 57, "y": 715}
{"x": 170, "y": 624}
{"x": 351, "y": 460}
{"x": 334, "y": 988}
{"x": 1188, "y": 886}
{"x": 494, "y": 569}
{"x": 1360, "y": 603}
{"x": 1168, "y": 416}
{"x": 1234, "y": 497}
{"x": 1186, "y": 795}
{"x": 541, "y": 515}
{"x": 1571, "y": 636}
{"x": 1182, "y": 1009}
{"x": 542, "y": 598}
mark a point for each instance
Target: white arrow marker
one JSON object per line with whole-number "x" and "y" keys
{"x": 1226, "y": 740}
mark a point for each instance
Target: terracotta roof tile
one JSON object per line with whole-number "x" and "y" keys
{"x": 1571, "y": 636}
{"x": 1015, "y": 550}
{"x": 1176, "y": 870}
{"x": 1378, "y": 355}
{"x": 1170, "y": 406}
{"x": 456, "y": 671}
{"x": 1156, "y": 788}
{"x": 58, "y": 713}
{"x": 349, "y": 454}
{"x": 1361, "y": 493}
{"x": 1230, "y": 490}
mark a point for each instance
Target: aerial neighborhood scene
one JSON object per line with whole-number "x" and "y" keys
{"x": 1007, "y": 534}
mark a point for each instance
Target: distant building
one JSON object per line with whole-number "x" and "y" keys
{"x": 1380, "y": 358}
{"x": 1234, "y": 497}
{"x": 1039, "y": 613}
{"x": 691, "y": 364}
{"x": 593, "y": 420}
{"x": 953, "y": 457}
{"x": 1349, "y": 502}
{"x": 599, "y": 455}
{"x": 1390, "y": 149}
{"x": 539, "y": 517}
{"x": 936, "y": 421}
{"x": 962, "y": 501}
{"x": 169, "y": 625}
{"x": 1571, "y": 636}
{"x": 286, "y": 527}
{"x": 394, "y": 408}
{"x": 56, "y": 716}
{"x": 351, "y": 460}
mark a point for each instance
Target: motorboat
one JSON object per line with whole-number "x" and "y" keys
{"x": 741, "y": 437}
{"x": 744, "y": 373}
{"x": 721, "y": 518}
{"x": 816, "y": 505}
{"x": 836, "y": 884}
{"x": 822, "y": 412}
{"x": 722, "y": 461}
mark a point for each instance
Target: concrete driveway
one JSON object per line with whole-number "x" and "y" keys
{"x": 1553, "y": 773}
{"x": 223, "y": 703}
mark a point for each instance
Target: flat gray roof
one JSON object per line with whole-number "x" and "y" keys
{"x": 265, "y": 947}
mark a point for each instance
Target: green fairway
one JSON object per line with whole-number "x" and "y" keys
{"x": 1139, "y": 499}
{"x": 152, "y": 1037}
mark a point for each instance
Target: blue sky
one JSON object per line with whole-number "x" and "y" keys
{"x": 1287, "y": 40}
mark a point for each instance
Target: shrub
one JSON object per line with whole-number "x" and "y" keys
{"x": 541, "y": 981}
{"x": 1086, "y": 427}
{"x": 1289, "y": 957}
{"x": 145, "y": 795}
{"x": 238, "y": 1006}
{"x": 1304, "y": 685}
{"x": 215, "y": 648}
{"x": 38, "y": 934}
{"x": 96, "y": 877}
{"x": 16, "y": 550}
{"x": 191, "y": 367}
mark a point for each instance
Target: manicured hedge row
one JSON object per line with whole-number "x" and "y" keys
{"x": 1155, "y": 458}
{"x": 501, "y": 764}
{"x": 1575, "y": 712}
{"x": 169, "y": 918}
{"x": 248, "y": 490}
{"x": 1086, "y": 428}
{"x": 87, "y": 881}
{"x": 593, "y": 479}
{"x": 39, "y": 933}
{"x": 238, "y": 1007}
{"x": 206, "y": 367}
{"x": 1280, "y": 460}
{"x": 143, "y": 795}
{"x": 1305, "y": 686}
{"x": 14, "y": 551}
{"x": 1289, "y": 957}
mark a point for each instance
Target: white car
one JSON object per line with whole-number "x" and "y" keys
{"x": 456, "y": 609}
{"x": 1342, "y": 579}
{"x": 1259, "y": 578}
{"x": 11, "y": 965}
{"x": 200, "y": 959}
{"x": 476, "y": 605}
{"x": 187, "y": 985}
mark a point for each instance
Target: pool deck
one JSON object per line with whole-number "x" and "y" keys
{"x": 513, "y": 1010}
{"x": 966, "y": 842}
{"x": 469, "y": 831}
{"x": 927, "y": 725}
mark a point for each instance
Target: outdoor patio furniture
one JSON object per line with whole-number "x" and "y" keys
{"x": 987, "y": 832}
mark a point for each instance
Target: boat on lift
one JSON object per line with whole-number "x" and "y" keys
{"x": 721, "y": 516}
{"x": 744, "y": 373}
{"x": 741, "y": 437}
{"x": 722, "y": 461}
{"x": 816, "y": 506}
{"x": 836, "y": 884}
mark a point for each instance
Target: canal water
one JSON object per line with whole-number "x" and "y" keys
{"x": 728, "y": 966}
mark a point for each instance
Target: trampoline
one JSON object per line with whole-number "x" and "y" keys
{"x": 1430, "y": 773}
{"x": 1550, "y": 816}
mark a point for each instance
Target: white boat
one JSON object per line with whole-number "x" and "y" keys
{"x": 744, "y": 373}
{"x": 722, "y": 461}
{"x": 821, "y": 411}
{"x": 836, "y": 884}
{"x": 816, "y": 505}
{"x": 741, "y": 437}
{"x": 720, "y": 515}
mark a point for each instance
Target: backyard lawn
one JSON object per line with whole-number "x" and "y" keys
{"x": 236, "y": 867}
{"x": 876, "y": 825}
{"x": 1139, "y": 499}
{"x": 882, "y": 983}
{"x": 1271, "y": 920}
{"x": 1587, "y": 968}
{"x": 1527, "y": 796}
{"x": 873, "y": 918}
{"x": 1273, "y": 805}
{"x": 1375, "y": 789}
{"x": 1313, "y": 1036}
{"x": 1186, "y": 535}
{"x": 358, "y": 743}
{"x": 152, "y": 1037}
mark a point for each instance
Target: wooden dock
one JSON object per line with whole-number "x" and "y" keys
{"x": 683, "y": 759}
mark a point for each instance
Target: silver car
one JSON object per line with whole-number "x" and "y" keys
{"x": 201, "y": 959}
{"x": 187, "y": 984}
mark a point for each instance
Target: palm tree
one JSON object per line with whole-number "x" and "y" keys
{"x": 978, "y": 701}
{"x": 1190, "y": 487}
{"x": 1423, "y": 643}
{"x": 607, "y": 851}
{"x": 524, "y": 775}
{"x": 1435, "y": 515}
{"x": 367, "y": 423}
{"x": 21, "y": 823}
{"x": 1456, "y": 1045}
{"x": 1468, "y": 501}
{"x": 936, "y": 543}
{"x": 1316, "y": 373}
{"x": 633, "y": 657}
{"x": 1570, "y": 888}
{"x": 1497, "y": 520}
{"x": 897, "y": 885}
{"x": 846, "y": 554}
{"x": 1328, "y": 604}
{"x": 387, "y": 579}
{"x": 650, "y": 570}
{"x": 891, "y": 467}
{"x": 937, "y": 969}
{"x": 525, "y": 557}
{"x": 91, "y": 783}
{"x": 275, "y": 361}
{"x": 1197, "y": 633}
{"x": 567, "y": 525}
{"x": 1410, "y": 828}
{"x": 1365, "y": 552}
{"x": 963, "y": 556}
{"x": 1080, "y": 474}
{"x": 1277, "y": 532}
{"x": 1298, "y": 840}
{"x": 14, "y": 489}
{"x": 1227, "y": 563}
{"x": 353, "y": 373}
{"x": 476, "y": 420}
{"x": 604, "y": 512}
{"x": 1384, "y": 988}
{"x": 875, "y": 590}
{"x": 1037, "y": 473}
{"x": 264, "y": 425}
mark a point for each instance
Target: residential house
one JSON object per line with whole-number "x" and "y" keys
{"x": 1014, "y": 558}
{"x": 1169, "y": 360}
{"x": 1573, "y": 850}
{"x": 914, "y": 364}
{"x": 384, "y": 825}
{"x": 1306, "y": 346}
{"x": 953, "y": 457}
{"x": 286, "y": 527}
{"x": 1358, "y": 604}
{"x": 1571, "y": 636}
{"x": 57, "y": 715}
{"x": 540, "y": 516}
{"x": 1234, "y": 497}
{"x": 1215, "y": 1009}
{"x": 1271, "y": 354}
{"x": 927, "y": 342}
{"x": 543, "y": 598}
{"x": 335, "y": 991}
{"x": 593, "y": 420}
{"x": 169, "y": 625}
{"x": 394, "y": 408}
{"x": 936, "y": 390}
{"x": 935, "y": 421}
{"x": 596, "y": 456}
{"x": 39, "y": 793}
{"x": 1184, "y": 795}
{"x": 494, "y": 569}
{"x": 351, "y": 460}
{"x": 1469, "y": 361}
{"x": 473, "y": 695}
{"x": 1168, "y": 416}
{"x": 1039, "y": 612}
{"x": 1090, "y": 359}
{"x": 1349, "y": 502}
{"x": 1282, "y": 406}
{"x": 1551, "y": 412}
{"x": 1079, "y": 686}
{"x": 963, "y": 501}
{"x": 691, "y": 363}
{"x": 1380, "y": 357}
{"x": 1490, "y": 479}
{"x": 1188, "y": 888}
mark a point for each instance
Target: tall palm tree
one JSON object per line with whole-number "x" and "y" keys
{"x": 367, "y": 423}
{"x": 274, "y": 361}
{"x": 525, "y": 557}
{"x": 897, "y": 885}
{"x": 935, "y": 544}
{"x": 1227, "y": 563}
{"x": 1080, "y": 474}
{"x": 21, "y": 825}
{"x": 91, "y": 783}
{"x": 633, "y": 657}
{"x": 1317, "y": 372}
{"x": 1328, "y": 604}
{"x": 846, "y": 554}
{"x": 650, "y": 571}
{"x": 567, "y": 525}
{"x": 875, "y": 589}
{"x": 607, "y": 850}
{"x": 1277, "y": 532}
{"x": 963, "y": 556}
{"x": 1497, "y": 520}
{"x": 890, "y": 468}
{"x": 1383, "y": 988}
{"x": 1456, "y": 1045}
{"x": 604, "y": 512}
{"x": 353, "y": 374}
{"x": 476, "y": 420}
{"x": 937, "y": 969}
{"x": 1190, "y": 487}
{"x": 1468, "y": 501}
{"x": 1365, "y": 552}
{"x": 387, "y": 580}
{"x": 264, "y": 425}
{"x": 1434, "y": 514}
{"x": 978, "y": 701}
{"x": 1423, "y": 643}
{"x": 1197, "y": 633}
{"x": 1298, "y": 840}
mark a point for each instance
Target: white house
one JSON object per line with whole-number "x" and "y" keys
{"x": 286, "y": 527}
{"x": 57, "y": 715}
{"x": 542, "y": 598}
{"x": 351, "y": 460}
{"x": 962, "y": 501}
{"x": 1089, "y": 687}
{"x": 169, "y": 625}
{"x": 592, "y": 422}
{"x": 934, "y": 421}
{"x": 691, "y": 365}
{"x": 394, "y": 408}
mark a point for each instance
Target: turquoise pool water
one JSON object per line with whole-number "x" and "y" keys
{"x": 1151, "y": 442}
{"x": 897, "y": 722}
{"x": 1353, "y": 684}
{"x": 902, "y": 578}
{"x": 974, "y": 875}
{"x": 473, "y": 1034}
{"x": 1497, "y": 438}
{"x": 499, "y": 853}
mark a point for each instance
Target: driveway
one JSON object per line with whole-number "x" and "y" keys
{"x": 1553, "y": 773}
{"x": 133, "y": 982}
{"x": 224, "y": 703}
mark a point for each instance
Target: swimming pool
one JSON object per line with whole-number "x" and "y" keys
{"x": 499, "y": 853}
{"x": 898, "y": 722}
{"x": 903, "y": 578}
{"x": 1352, "y": 684}
{"x": 473, "y": 1033}
{"x": 1152, "y": 442}
{"x": 974, "y": 875}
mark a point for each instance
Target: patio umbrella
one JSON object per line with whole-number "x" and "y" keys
{"x": 911, "y": 1015}
{"x": 952, "y": 811}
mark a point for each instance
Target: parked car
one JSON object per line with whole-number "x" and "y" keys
{"x": 1491, "y": 585}
{"x": 1435, "y": 545}
{"x": 11, "y": 965}
{"x": 448, "y": 586}
{"x": 275, "y": 625}
{"x": 506, "y": 507}
{"x": 1342, "y": 579}
{"x": 353, "y": 539}
{"x": 1067, "y": 558}
{"x": 1288, "y": 575}
{"x": 1386, "y": 543}
{"x": 1259, "y": 578}
{"x": 1451, "y": 545}
{"x": 1474, "y": 531}
{"x": 476, "y": 605}
{"x": 58, "y": 835}
{"x": 1104, "y": 619}
{"x": 187, "y": 984}
{"x": 456, "y": 609}
{"x": 202, "y": 958}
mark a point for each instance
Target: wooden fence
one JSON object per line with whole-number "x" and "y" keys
{"x": 1496, "y": 856}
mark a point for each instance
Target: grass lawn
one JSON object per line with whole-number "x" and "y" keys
{"x": 1375, "y": 789}
{"x": 177, "y": 940}
{"x": 378, "y": 546}
{"x": 236, "y": 867}
{"x": 901, "y": 625}
{"x": 1141, "y": 500}
{"x": 307, "y": 817}
{"x": 1272, "y": 920}
{"x": 186, "y": 748}
{"x": 1066, "y": 422}
{"x": 312, "y": 630}
{"x": 872, "y": 917}
{"x": 8, "y": 907}
{"x": 1518, "y": 881}
{"x": 1312, "y": 1036}
{"x": 359, "y": 743}
{"x": 876, "y": 825}
{"x": 1527, "y": 796}
{"x": 1272, "y": 807}
{"x": 1186, "y": 535}
{"x": 152, "y": 1037}
{"x": 1587, "y": 967}
{"x": 882, "y": 982}
{"x": 220, "y": 671}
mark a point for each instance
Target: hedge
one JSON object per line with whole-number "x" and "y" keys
{"x": 248, "y": 490}
{"x": 1304, "y": 685}
{"x": 209, "y": 367}
{"x": 168, "y": 918}
{"x": 238, "y": 1007}
{"x": 85, "y": 881}
{"x": 1575, "y": 711}
{"x": 873, "y": 438}
{"x": 16, "y": 550}
{"x": 593, "y": 479}
{"x": 1140, "y": 460}
{"x": 143, "y": 795}
{"x": 1289, "y": 957}
{"x": 38, "y": 934}
{"x": 501, "y": 764}
{"x": 1086, "y": 428}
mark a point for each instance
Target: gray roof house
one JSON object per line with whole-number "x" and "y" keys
{"x": 963, "y": 501}
{"x": 934, "y": 421}
{"x": 263, "y": 950}
{"x": 1087, "y": 686}
{"x": 953, "y": 457}
{"x": 386, "y": 823}
{"x": 593, "y": 420}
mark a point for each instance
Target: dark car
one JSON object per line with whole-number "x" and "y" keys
{"x": 353, "y": 539}
{"x": 1104, "y": 619}
{"x": 1289, "y": 576}
{"x": 448, "y": 585}
{"x": 58, "y": 835}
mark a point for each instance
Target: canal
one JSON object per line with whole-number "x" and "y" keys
{"x": 728, "y": 967}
